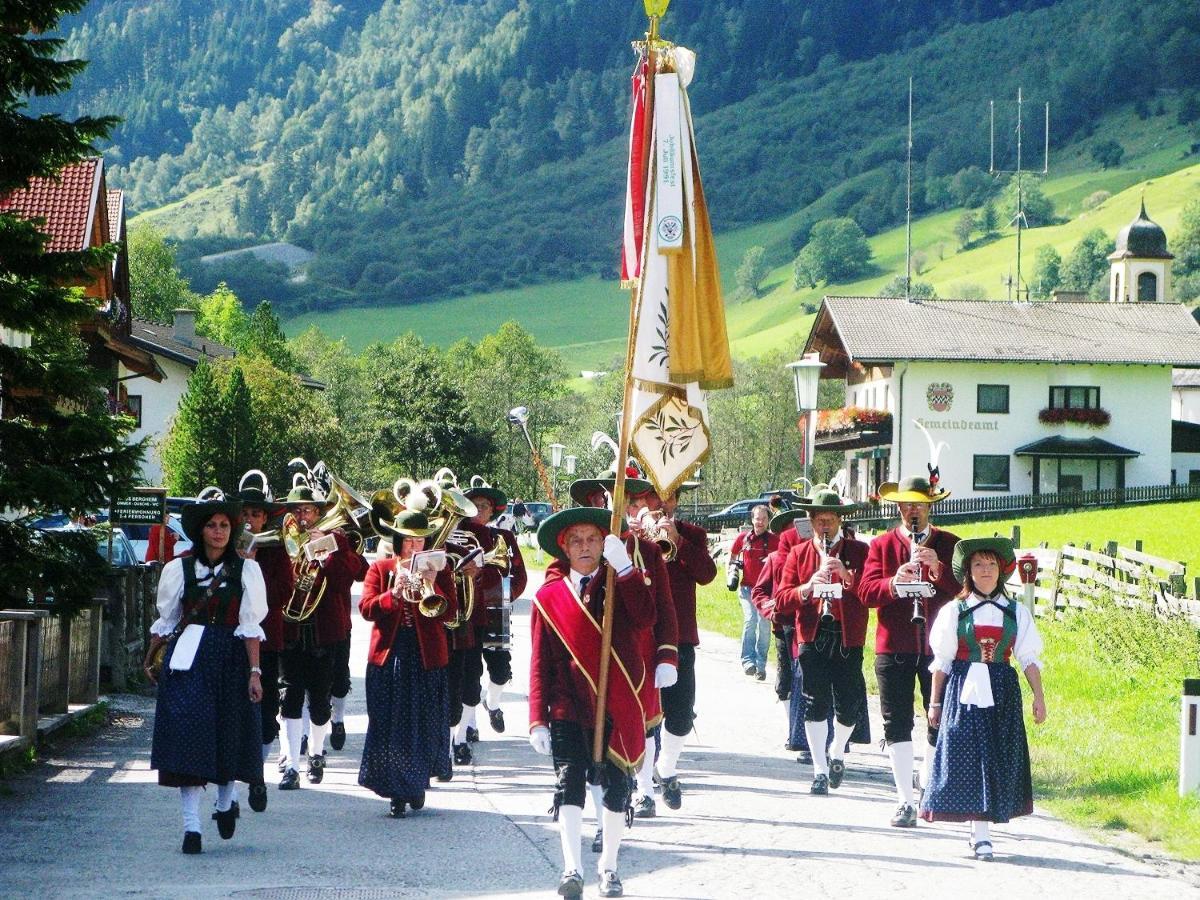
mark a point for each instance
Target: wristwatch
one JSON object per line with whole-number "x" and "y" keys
{"x": 255, "y": 670}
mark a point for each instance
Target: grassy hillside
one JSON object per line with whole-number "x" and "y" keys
{"x": 586, "y": 319}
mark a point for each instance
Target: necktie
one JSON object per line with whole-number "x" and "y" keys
{"x": 919, "y": 537}
{"x": 583, "y": 583}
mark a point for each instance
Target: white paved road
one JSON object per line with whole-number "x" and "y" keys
{"x": 90, "y": 821}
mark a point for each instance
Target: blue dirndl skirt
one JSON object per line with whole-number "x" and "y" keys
{"x": 205, "y": 727}
{"x": 408, "y": 723}
{"x": 981, "y": 764}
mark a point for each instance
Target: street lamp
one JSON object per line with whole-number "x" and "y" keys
{"x": 570, "y": 462}
{"x": 556, "y": 455}
{"x": 519, "y": 416}
{"x": 806, "y": 372}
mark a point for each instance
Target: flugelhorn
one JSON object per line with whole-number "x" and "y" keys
{"x": 652, "y": 528}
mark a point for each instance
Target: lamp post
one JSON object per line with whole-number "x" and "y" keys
{"x": 570, "y": 460}
{"x": 519, "y": 416}
{"x": 556, "y": 458}
{"x": 806, "y": 372}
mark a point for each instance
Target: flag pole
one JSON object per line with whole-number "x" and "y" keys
{"x": 618, "y": 492}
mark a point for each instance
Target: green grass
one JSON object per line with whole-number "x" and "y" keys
{"x": 1169, "y": 530}
{"x": 586, "y": 319}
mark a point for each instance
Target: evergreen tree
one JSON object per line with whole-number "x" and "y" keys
{"x": 239, "y": 434}
{"x": 60, "y": 448}
{"x": 264, "y": 336}
{"x": 193, "y": 448}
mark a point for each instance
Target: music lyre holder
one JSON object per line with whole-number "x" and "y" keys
{"x": 913, "y": 590}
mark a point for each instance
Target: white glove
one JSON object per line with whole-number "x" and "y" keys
{"x": 539, "y": 740}
{"x": 616, "y": 555}
{"x": 665, "y": 675}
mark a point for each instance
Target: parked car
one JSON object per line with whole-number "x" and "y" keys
{"x": 123, "y": 554}
{"x": 538, "y": 511}
{"x": 736, "y": 512}
{"x": 139, "y": 536}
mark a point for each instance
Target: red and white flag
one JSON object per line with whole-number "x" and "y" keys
{"x": 635, "y": 180}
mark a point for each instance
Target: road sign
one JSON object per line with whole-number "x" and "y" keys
{"x": 145, "y": 507}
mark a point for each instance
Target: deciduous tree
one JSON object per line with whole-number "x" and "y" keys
{"x": 837, "y": 250}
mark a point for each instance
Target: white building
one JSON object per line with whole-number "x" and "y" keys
{"x": 1029, "y": 398}
{"x": 177, "y": 349}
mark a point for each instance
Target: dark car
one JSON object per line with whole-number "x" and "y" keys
{"x": 737, "y": 512}
{"x": 538, "y": 511}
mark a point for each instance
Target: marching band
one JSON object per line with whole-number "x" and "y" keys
{"x": 276, "y": 578}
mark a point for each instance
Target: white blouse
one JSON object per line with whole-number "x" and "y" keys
{"x": 170, "y": 597}
{"x": 943, "y": 639}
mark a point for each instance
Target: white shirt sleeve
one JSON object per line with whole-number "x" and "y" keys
{"x": 943, "y": 637}
{"x": 1028, "y": 648}
{"x": 254, "y": 602}
{"x": 170, "y": 598}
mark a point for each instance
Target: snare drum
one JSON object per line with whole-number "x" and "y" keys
{"x": 497, "y": 627}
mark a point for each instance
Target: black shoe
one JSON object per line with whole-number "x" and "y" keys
{"x": 570, "y": 885}
{"x": 337, "y": 736}
{"x": 191, "y": 842}
{"x": 496, "y": 717}
{"x": 396, "y": 808}
{"x": 316, "y": 768}
{"x": 447, "y": 777}
{"x": 905, "y": 816}
{"x": 983, "y": 851}
{"x": 792, "y": 748}
{"x": 672, "y": 794}
{"x": 804, "y": 758}
{"x": 462, "y": 754}
{"x": 472, "y": 734}
{"x": 750, "y": 669}
{"x": 644, "y": 808}
{"x": 290, "y": 781}
{"x": 598, "y": 841}
{"x": 227, "y": 821}
{"x": 610, "y": 885}
{"x": 258, "y": 797}
{"x": 760, "y": 674}
{"x": 304, "y": 745}
{"x": 417, "y": 802}
{"x": 820, "y": 785}
{"x": 837, "y": 769}
{"x": 283, "y": 762}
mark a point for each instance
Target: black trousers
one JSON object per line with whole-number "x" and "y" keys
{"x": 783, "y": 660}
{"x": 833, "y": 675}
{"x": 341, "y": 669}
{"x": 679, "y": 700}
{"x": 571, "y": 751}
{"x": 268, "y": 661}
{"x": 499, "y": 665}
{"x": 898, "y": 674}
{"x": 456, "y": 677}
{"x": 307, "y": 671}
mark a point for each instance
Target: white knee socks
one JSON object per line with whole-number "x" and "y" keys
{"x": 304, "y": 717}
{"x": 316, "y": 739}
{"x": 817, "y": 734}
{"x": 460, "y": 730}
{"x": 645, "y": 775}
{"x": 494, "y": 693}
{"x": 339, "y": 709}
{"x": 189, "y": 803}
{"x": 226, "y": 794}
{"x": 469, "y": 715}
{"x": 614, "y": 830}
{"x": 901, "y": 755}
{"x": 668, "y": 757}
{"x": 981, "y": 831}
{"x": 841, "y": 735}
{"x": 570, "y": 830}
{"x": 597, "y": 801}
{"x": 293, "y": 729}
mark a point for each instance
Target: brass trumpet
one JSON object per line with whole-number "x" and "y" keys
{"x": 417, "y": 589}
{"x": 653, "y": 530}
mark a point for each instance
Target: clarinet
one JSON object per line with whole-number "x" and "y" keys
{"x": 918, "y": 608}
{"x": 826, "y": 605}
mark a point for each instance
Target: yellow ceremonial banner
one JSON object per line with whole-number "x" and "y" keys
{"x": 681, "y": 347}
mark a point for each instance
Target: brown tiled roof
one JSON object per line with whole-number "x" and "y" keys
{"x": 67, "y": 203}
{"x": 116, "y": 214}
{"x": 884, "y": 329}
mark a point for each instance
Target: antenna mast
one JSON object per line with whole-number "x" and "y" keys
{"x": 1019, "y": 219}
{"x": 908, "y": 201}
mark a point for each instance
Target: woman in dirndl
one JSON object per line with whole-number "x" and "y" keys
{"x": 408, "y": 694}
{"x": 981, "y": 764}
{"x": 206, "y": 723}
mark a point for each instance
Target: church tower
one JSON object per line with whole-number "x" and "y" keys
{"x": 1140, "y": 269}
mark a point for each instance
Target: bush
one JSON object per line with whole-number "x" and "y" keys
{"x": 837, "y": 250}
{"x": 1091, "y": 201}
{"x": 1108, "y": 154}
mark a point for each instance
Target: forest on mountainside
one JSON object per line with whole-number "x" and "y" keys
{"x": 425, "y": 148}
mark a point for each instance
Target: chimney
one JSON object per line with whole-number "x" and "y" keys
{"x": 1059, "y": 296}
{"x": 184, "y": 326}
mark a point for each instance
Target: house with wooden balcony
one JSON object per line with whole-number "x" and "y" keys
{"x": 1027, "y": 398}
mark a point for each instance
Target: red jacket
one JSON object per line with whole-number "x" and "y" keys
{"x": 278, "y": 575}
{"x": 661, "y": 643}
{"x": 156, "y": 534}
{"x": 389, "y": 614}
{"x": 557, "y": 687}
{"x": 342, "y": 568}
{"x": 895, "y": 632}
{"x": 802, "y": 561}
{"x": 753, "y": 550}
{"x": 691, "y": 566}
{"x": 489, "y": 588}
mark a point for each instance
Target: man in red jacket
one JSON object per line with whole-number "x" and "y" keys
{"x": 830, "y": 631}
{"x": 913, "y": 552}
{"x": 310, "y": 646}
{"x": 566, "y": 622}
{"x": 749, "y": 553}
{"x": 691, "y": 566}
{"x": 278, "y": 576}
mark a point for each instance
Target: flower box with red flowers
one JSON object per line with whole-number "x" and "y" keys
{"x": 851, "y": 418}
{"x": 1093, "y": 418}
